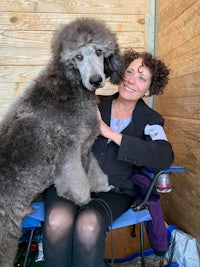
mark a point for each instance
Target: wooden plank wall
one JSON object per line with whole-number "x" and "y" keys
{"x": 178, "y": 43}
{"x": 26, "y": 29}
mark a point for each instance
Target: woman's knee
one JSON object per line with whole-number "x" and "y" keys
{"x": 59, "y": 220}
{"x": 88, "y": 226}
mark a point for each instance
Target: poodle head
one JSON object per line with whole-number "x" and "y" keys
{"x": 88, "y": 53}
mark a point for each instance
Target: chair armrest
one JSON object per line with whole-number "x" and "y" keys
{"x": 174, "y": 169}
{"x": 142, "y": 205}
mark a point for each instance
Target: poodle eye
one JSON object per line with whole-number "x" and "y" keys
{"x": 79, "y": 57}
{"x": 98, "y": 52}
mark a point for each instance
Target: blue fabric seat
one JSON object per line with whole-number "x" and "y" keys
{"x": 34, "y": 219}
{"x": 130, "y": 217}
{"x": 127, "y": 218}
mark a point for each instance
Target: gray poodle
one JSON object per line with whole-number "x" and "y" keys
{"x": 47, "y": 135}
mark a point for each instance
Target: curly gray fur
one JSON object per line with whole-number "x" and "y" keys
{"x": 46, "y": 136}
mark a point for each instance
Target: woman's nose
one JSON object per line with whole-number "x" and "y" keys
{"x": 131, "y": 79}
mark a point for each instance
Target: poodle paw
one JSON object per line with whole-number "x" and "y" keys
{"x": 81, "y": 200}
{"x": 79, "y": 197}
{"x": 106, "y": 188}
{"x": 111, "y": 187}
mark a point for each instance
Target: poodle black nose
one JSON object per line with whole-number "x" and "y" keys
{"x": 95, "y": 80}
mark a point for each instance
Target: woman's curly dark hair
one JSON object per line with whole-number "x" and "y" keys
{"x": 159, "y": 71}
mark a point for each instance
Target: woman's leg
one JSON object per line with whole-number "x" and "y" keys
{"x": 89, "y": 236}
{"x": 91, "y": 225}
{"x": 58, "y": 229}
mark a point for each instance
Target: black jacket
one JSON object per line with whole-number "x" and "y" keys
{"x": 136, "y": 148}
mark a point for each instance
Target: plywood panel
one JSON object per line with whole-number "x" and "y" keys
{"x": 182, "y": 51}
{"x": 184, "y": 134}
{"x": 18, "y": 74}
{"x": 171, "y": 106}
{"x": 166, "y": 8}
{"x": 183, "y": 86}
{"x": 17, "y": 46}
{"x": 122, "y": 244}
{"x": 178, "y": 43}
{"x": 184, "y": 59}
{"x": 74, "y": 6}
{"x": 182, "y": 205}
{"x": 50, "y": 22}
{"x": 182, "y": 30}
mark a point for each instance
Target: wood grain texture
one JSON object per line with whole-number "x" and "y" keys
{"x": 27, "y": 27}
{"x": 74, "y": 6}
{"x": 182, "y": 107}
{"x": 17, "y": 46}
{"x": 51, "y": 21}
{"x": 170, "y": 10}
{"x": 178, "y": 43}
{"x": 122, "y": 244}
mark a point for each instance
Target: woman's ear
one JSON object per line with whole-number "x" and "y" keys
{"x": 147, "y": 93}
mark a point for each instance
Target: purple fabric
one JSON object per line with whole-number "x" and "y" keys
{"x": 155, "y": 228}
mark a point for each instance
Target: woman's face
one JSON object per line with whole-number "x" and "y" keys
{"x": 137, "y": 80}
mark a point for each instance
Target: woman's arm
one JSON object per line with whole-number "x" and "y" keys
{"x": 155, "y": 152}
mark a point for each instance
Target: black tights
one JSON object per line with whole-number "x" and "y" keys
{"x": 75, "y": 236}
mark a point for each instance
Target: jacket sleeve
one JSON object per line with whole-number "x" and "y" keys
{"x": 155, "y": 154}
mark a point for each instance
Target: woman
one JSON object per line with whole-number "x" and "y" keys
{"x": 131, "y": 135}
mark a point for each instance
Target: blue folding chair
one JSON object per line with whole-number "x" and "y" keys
{"x": 136, "y": 214}
{"x": 32, "y": 222}
{"x": 139, "y": 213}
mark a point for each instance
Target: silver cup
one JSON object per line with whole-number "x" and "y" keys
{"x": 163, "y": 183}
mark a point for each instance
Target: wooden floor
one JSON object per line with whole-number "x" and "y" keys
{"x": 150, "y": 261}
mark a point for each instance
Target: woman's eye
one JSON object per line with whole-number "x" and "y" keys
{"x": 98, "y": 52}
{"x": 128, "y": 72}
{"x": 79, "y": 57}
{"x": 143, "y": 79}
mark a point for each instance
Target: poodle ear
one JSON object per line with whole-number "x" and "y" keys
{"x": 113, "y": 68}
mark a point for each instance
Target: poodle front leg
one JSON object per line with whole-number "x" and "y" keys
{"x": 9, "y": 237}
{"x": 97, "y": 178}
{"x": 71, "y": 182}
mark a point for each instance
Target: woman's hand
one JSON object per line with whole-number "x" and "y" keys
{"x": 104, "y": 128}
{"x": 107, "y": 132}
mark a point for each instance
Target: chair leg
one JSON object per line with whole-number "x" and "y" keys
{"x": 142, "y": 244}
{"x": 28, "y": 248}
